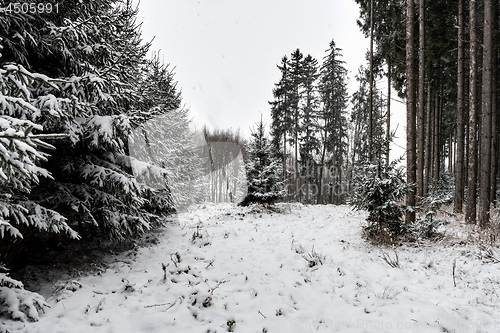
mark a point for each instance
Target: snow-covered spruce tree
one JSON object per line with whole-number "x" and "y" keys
{"x": 95, "y": 50}
{"x": 23, "y": 94}
{"x": 332, "y": 123}
{"x": 379, "y": 189}
{"x": 90, "y": 56}
{"x": 309, "y": 143}
{"x": 281, "y": 115}
{"x": 157, "y": 89}
{"x": 20, "y": 153}
{"x": 264, "y": 171}
{"x": 147, "y": 142}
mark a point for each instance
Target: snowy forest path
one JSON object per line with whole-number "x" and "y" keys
{"x": 305, "y": 269}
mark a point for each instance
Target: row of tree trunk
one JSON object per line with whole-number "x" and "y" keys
{"x": 473, "y": 148}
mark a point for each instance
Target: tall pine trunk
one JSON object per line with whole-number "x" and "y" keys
{"x": 484, "y": 195}
{"x": 470, "y": 208}
{"x": 287, "y": 194}
{"x": 334, "y": 176}
{"x": 296, "y": 143}
{"x": 437, "y": 137}
{"x": 388, "y": 132}
{"x": 494, "y": 115}
{"x": 494, "y": 139}
{"x": 428, "y": 142}
{"x": 421, "y": 102}
{"x": 451, "y": 153}
{"x": 459, "y": 164}
{"x": 320, "y": 199}
{"x": 370, "y": 96}
{"x": 410, "y": 107}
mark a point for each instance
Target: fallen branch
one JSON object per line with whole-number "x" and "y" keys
{"x": 212, "y": 289}
{"x": 170, "y": 305}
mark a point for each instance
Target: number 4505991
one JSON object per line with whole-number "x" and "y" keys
{"x": 32, "y": 8}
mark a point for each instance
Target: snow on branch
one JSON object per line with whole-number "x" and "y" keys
{"x": 18, "y": 303}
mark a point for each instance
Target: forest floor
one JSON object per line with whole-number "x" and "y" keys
{"x": 222, "y": 268}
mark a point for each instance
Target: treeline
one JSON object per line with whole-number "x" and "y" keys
{"x": 78, "y": 150}
{"x": 309, "y": 126}
{"x": 442, "y": 56}
{"x": 320, "y": 132}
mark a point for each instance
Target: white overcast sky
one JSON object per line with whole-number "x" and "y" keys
{"x": 225, "y": 52}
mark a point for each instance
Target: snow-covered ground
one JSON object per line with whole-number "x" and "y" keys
{"x": 223, "y": 268}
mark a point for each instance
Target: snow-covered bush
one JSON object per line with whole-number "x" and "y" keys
{"x": 18, "y": 303}
{"x": 378, "y": 189}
